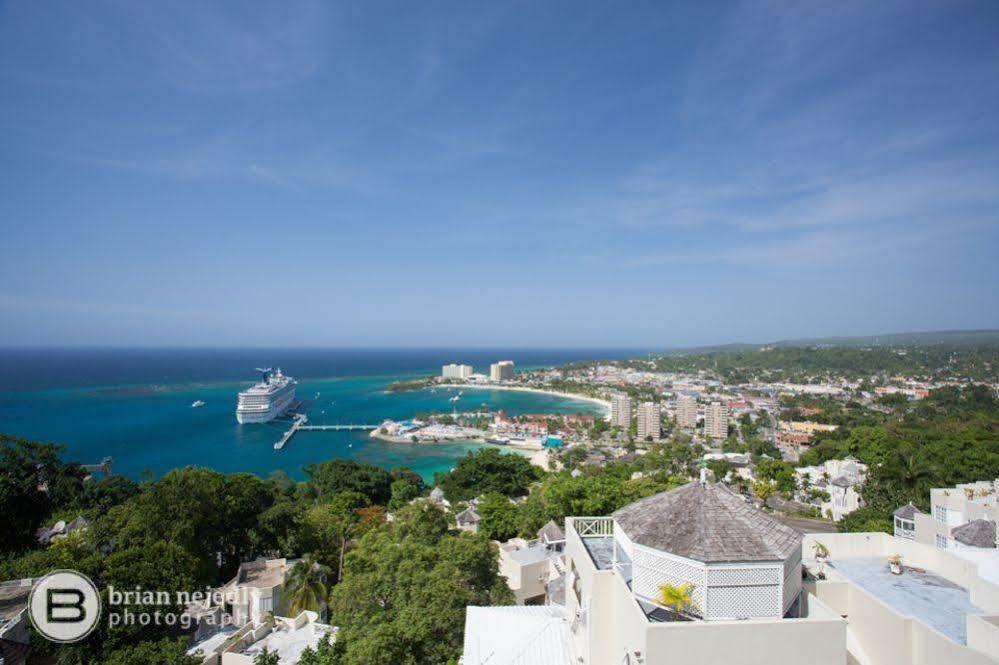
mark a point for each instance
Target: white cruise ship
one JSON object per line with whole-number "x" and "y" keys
{"x": 267, "y": 399}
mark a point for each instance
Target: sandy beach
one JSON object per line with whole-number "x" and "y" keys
{"x": 593, "y": 400}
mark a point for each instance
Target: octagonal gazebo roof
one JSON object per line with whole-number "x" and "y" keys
{"x": 707, "y": 522}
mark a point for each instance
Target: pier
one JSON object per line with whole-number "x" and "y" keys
{"x": 299, "y": 424}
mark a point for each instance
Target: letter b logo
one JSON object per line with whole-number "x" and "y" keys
{"x": 64, "y": 606}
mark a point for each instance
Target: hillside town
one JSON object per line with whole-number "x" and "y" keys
{"x": 755, "y": 521}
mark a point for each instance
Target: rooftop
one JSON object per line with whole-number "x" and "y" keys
{"x": 931, "y": 599}
{"x": 551, "y": 532}
{"x": 262, "y": 573}
{"x": 976, "y": 533}
{"x": 517, "y": 635}
{"x": 13, "y": 599}
{"x": 290, "y": 642}
{"x": 208, "y": 645}
{"x": 707, "y": 522}
{"x": 907, "y": 512}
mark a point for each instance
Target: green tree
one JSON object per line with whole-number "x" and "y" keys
{"x": 267, "y": 657}
{"x": 488, "y": 470}
{"x": 341, "y": 475}
{"x": 169, "y": 651}
{"x": 403, "y": 491}
{"x": 306, "y": 586}
{"x": 405, "y": 589}
{"x": 25, "y": 468}
{"x": 500, "y": 519}
{"x": 327, "y": 652}
{"x": 720, "y": 468}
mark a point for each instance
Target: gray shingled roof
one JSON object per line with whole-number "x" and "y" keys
{"x": 907, "y": 512}
{"x": 976, "y": 533}
{"x": 468, "y": 516}
{"x": 551, "y": 532}
{"x": 708, "y": 523}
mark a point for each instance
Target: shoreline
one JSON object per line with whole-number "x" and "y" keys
{"x": 583, "y": 398}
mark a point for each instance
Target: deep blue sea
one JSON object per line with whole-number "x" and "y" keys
{"x": 135, "y": 404}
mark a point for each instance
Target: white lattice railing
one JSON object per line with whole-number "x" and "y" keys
{"x": 592, "y": 527}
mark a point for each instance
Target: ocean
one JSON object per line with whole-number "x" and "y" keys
{"x": 134, "y": 405}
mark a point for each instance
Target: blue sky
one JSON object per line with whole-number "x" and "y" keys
{"x": 557, "y": 174}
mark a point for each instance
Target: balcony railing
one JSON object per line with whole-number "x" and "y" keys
{"x": 592, "y": 527}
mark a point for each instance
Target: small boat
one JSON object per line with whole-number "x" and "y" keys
{"x": 196, "y": 403}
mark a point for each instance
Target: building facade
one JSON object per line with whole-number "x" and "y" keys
{"x": 501, "y": 371}
{"x": 961, "y": 518}
{"x": 456, "y": 371}
{"x": 686, "y": 411}
{"x": 621, "y": 411}
{"x": 649, "y": 421}
{"x": 841, "y": 479}
{"x": 716, "y": 421}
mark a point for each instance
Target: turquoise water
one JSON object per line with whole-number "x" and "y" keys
{"x": 151, "y": 425}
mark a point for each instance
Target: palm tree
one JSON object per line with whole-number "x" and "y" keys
{"x": 305, "y": 587}
{"x": 910, "y": 469}
{"x": 679, "y": 598}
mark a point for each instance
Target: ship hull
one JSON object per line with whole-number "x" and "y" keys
{"x": 274, "y": 410}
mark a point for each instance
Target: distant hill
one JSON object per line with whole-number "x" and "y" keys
{"x": 954, "y": 337}
{"x": 932, "y": 338}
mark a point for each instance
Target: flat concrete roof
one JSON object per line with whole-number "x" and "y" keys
{"x": 935, "y": 601}
{"x": 601, "y": 549}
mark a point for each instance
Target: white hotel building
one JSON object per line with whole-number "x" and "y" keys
{"x": 456, "y": 371}
{"x": 502, "y": 371}
{"x": 621, "y": 411}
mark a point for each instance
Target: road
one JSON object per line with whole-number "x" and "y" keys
{"x": 802, "y": 525}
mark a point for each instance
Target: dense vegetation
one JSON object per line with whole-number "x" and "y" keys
{"x": 194, "y": 526}
{"x": 806, "y": 363}
{"x": 951, "y": 437}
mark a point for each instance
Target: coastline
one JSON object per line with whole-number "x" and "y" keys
{"x": 584, "y": 398}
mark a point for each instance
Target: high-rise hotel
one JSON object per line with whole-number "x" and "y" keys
{"x": 456, "y": 371}
{"x": 716, "y": 421}
{"x": 621, "y": 410}
{"x": 501, "y": 371}
{"x": 686, "y": 411}
{"x": 649, "y": 421}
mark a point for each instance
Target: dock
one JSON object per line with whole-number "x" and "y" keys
{"x": 299, "y": 424}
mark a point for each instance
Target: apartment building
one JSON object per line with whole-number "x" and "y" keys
{"x": 739, "y": 568}
{"x": 456, "y": 371}
{"x": 621, "y": 410}
{"x": 697, "y": 575}
{"x": 686, "y": 411}
{"x": 649, "y": 421}
{"x": 501, "y": 371}
{"x": 716, "y": 421}
{"x": 530, "y": 565}
{"x": 841, "y": 479}
{"x": 961, "y": 518}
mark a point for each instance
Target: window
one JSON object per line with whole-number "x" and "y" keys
{"x": 265, "y": 604}
{"x": 940, "y": 514}
{"x": 942, "y": 541}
